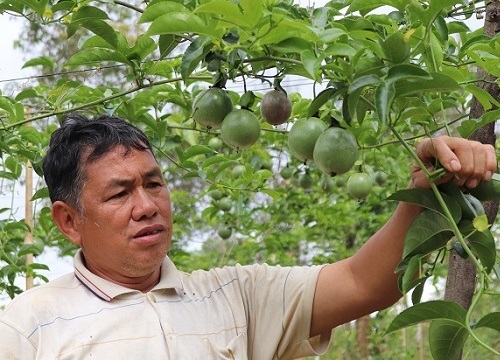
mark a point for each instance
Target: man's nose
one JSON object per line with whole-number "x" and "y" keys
{"x": 144, "y": 205}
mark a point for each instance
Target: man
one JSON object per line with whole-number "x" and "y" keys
{"x": 126, "y": 300}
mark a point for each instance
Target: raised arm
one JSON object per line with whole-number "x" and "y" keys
{"x": 366, "y": 282}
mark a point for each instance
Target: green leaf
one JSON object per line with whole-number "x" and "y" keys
{"x": 407, "y": 281}
{"x": 38, "y": 266}
{"x": 275, "y": 195}
{"x": 28, "y": 249}
{"x": 28, "y": 93}
{"x": 293, "y": 45}
{"x": 180, "y": 23}
{"x": 439, "y": 83}
{"x": 455, "y": 27}
{"x": 446, "y": 339}
{"x": 339, "y": 49}
{"x": 196, "y": 150}
{"x": 481, "y": 243}
{"x": 322, "y": 98}
{"x": 363, "y": 81}
{"x": 484, "y": 97}
{"x": 331, "y": 34}
{"x": 159, "y": 8}
{"x": 227, "y": 11}
{"x": 195, "y": 52}
{"x": 434, "y": 54}
{"x": 491, "y": 320}
{"x": 88, "y": 13}
{"x": 429, "y": 310}
{"x": 253, "y": 10}
{"x": 42, "y": 193}
{"x": 143, "y": 46}
{"x": 166, "y": 43}
{"x": 213, "y": 160}
{"x": 435, "y": 7}
{"x": 428, "y": 232}
{"x": 311, "y": 63}
{"x": 416, "y": 295}
{"x": 191, "y": 174}
{"x": 30, "y": 134}
{"x": 43, "y": 61}
{"x": 37, "y": 5}
{"x": 188, "y": 164}
{"x": 102, "y": 29}
{"x": 7, "y": 105}
{"x": 94, "y": 57}
{"x": 405, "y": 71}
{"x": 384, "y": 96}
{"x": 468, "y": 127}
{"x": 368, "y": 5}
{"x": 285, "y": 29}
{"x": 441, "y": 28}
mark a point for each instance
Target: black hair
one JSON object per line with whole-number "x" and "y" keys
{"x": 64, "y": 165}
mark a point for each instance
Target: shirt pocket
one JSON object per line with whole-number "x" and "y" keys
{"x": 236, "y": 349}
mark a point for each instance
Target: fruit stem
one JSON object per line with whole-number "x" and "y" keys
{"x": 277, "y": 84}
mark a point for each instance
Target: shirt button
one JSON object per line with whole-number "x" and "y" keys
{"x": 152, "y": 297}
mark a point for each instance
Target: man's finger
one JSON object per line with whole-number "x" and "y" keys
{"x": 441, "y": 149}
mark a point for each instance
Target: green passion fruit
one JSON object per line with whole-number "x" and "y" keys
{"x": 303, "y": 135}
{"x": 240, "y": 129}
{"x": 275, "y": 107}
{"x": 238, "y": 170}
{"x": 225, "y": 204}
{"x": 225, "y": 232}
{"x": 215, "y": 143}
{"x": 305, "y": 181}
{"x": 328, "y": 184}
{"x": 359, "y": 185}
{"x": 335, "y": 151}
{"x": 211, "y": 106}
{"x": 216, "y": 194}
{"x": 380, "y": 178}
{"x": 287, "y": 172}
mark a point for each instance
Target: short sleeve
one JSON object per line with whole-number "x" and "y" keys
{"x": 13, "y": 344}
{"x": 281, "y": 312}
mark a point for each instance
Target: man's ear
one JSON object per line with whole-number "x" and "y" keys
{"x": 67, "y": 219}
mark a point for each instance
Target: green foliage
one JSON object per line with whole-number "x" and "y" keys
{"x": 389, "y": 79}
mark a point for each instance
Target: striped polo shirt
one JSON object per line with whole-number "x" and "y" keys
{"x": 240, "y": 312}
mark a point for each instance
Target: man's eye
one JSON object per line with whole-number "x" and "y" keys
{"x": 154, "y": 184}
{"x": 119, "y": 195}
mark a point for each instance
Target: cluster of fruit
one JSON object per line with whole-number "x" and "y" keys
{"x": 213, "y": 109}
{"x": 333, "y": 149}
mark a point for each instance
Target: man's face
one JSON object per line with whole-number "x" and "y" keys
{"x": 125, "y": 228}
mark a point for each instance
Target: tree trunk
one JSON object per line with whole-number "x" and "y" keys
{"x": 461, "y": 279}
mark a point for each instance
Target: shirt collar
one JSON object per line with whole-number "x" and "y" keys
{"x": 107, "y": 290}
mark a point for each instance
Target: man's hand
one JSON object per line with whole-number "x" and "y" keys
{"x": 466, "y": 162}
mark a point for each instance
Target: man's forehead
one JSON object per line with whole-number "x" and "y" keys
{"x": 92, "y": 153}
